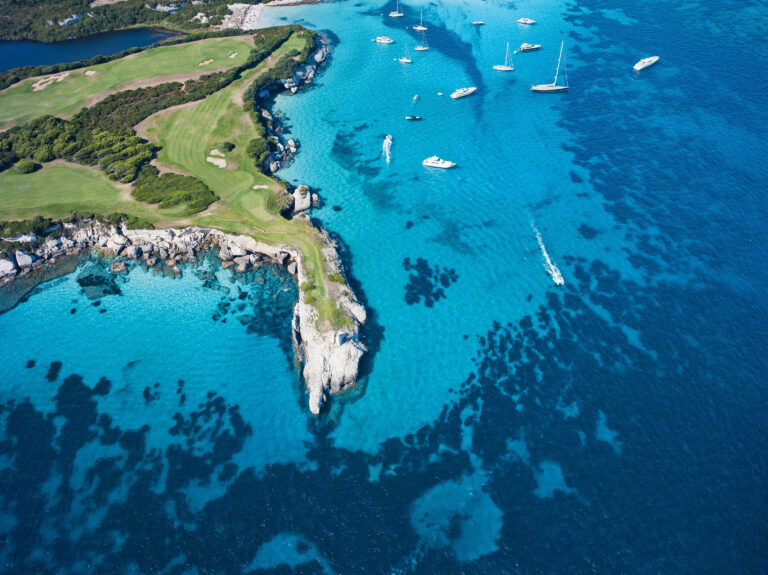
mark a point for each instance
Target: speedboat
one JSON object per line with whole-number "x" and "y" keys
{"x": 478, "y": 23}
{"x": 525, "y": 47}
{"x": 462, "y": 92}
{"x": 645, "y": 62}
{"x": 413, "y": 118}
{"x": 384, "y": 40}
{"x": 396, "y": 13}
{"x": 435, "y": 162}
{"x": 526, "y": 21}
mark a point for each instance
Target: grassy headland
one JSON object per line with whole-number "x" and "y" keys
{"x": 182, "y": 137}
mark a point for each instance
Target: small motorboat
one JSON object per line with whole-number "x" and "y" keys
{"x": 526, "y": 21}
{"x": 384, "y": 40}
{"x": 645, "y": 62}
{"x": 413, "y": 118}
{"x": 525, "y": 47}
{"x": 463, "y": 92}
{"x": 478, "y": 23}
{"x": 435, "y": 162}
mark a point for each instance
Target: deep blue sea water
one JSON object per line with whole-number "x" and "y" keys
{"x": 616, "y": 423}
{"x": 29, "y": 53}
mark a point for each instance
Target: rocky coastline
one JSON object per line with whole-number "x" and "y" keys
{"x": 329, "y": 356}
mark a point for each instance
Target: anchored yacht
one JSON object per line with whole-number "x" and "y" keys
{"x": 405, "y": 58}
{"x": 523, "y": 21}
{"x": 384, "y": 40}
{"x": 478, "y": 23}
{"x": 397, "y": 13}
{"x": 553, "y": 87}
{"x": 420, "y": 27}
{"x": 435, "y": 162}
{"x": 413, "y": 118}
{"x": 462, "y": 92}
{"x": 507, "y": 67}
{"x": 645, "y": 62}
{"x": 424, "y": 46}
{"x": 526, "y": 47}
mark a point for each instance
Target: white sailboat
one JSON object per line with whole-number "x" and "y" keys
{"x": 507, "y": 67}
{"x": 405, "y": 59}
{"x": 424, "y": 46}
{"x": 420, "y": 27}
{"x": 397, "y": 13}
{"x": 553, "y": 87}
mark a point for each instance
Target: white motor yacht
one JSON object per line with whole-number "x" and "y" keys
{"x": 526, "y": 47}
{"x": 435, "y": 162}
{"x": 462, "y": 92}
{"x": 526, "y": 21}
{"x": 645, "y": 62}
{"x": 478, "y": 23}
{"x": 384, "y": 40}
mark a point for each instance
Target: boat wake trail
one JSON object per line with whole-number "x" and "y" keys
{"x": 386, "y": 147}
{"x": 549, "y": 265}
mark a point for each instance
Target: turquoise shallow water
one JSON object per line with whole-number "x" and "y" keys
{"x": 505, "y": 424}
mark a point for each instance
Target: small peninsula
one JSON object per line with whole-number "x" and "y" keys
{"x": 154, "y": 156}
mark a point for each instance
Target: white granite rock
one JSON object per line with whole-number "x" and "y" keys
{"x": 7, "y": 268}
{"x": 24, "y": 260}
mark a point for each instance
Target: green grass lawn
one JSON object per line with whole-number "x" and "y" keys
{"x": 20, "y": 103}
{"x": 187, "y": 134}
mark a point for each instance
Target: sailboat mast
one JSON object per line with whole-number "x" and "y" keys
{"x": 506, "y": 56}
{"x": 558, "y": 64}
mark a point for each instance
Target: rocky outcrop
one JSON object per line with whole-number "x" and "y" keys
{"x": 329, "y": 354}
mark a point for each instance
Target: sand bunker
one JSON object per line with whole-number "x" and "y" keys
{"x": 90, "y": 73}
{"x": 205, "y": 62}
{"x": 258, "y": 187}
{"x": 216, "y": 152}
{"x": 217, "y": 161}
{"x": 233, "y": 55}
{"x": 43, "y": 83}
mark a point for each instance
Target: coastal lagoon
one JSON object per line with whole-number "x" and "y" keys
{"x": 16, "y": 54}
{"x": 504, "y": 424}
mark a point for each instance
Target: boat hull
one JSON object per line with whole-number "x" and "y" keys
{"x": 501, "y": 68}
{"x": 548, "y": 88}
{"x": 532, "y": 48}
{"x": 645, "y": 63}
{"x": 421, "y": 48}
{"x": 420, "y": 28}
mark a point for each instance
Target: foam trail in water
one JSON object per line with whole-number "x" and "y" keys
{"x": 387, "y": 147}
{"x": 549, "y": 265}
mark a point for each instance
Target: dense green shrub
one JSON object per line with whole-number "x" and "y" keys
{"x": 25, "y": 166}
{"x": 130, "y": 222}
{"x": 169, "y": 190}
{"x": 226, "y": 147}
{"x": 37, "y": 225}
{"x": 337, "y": 277}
